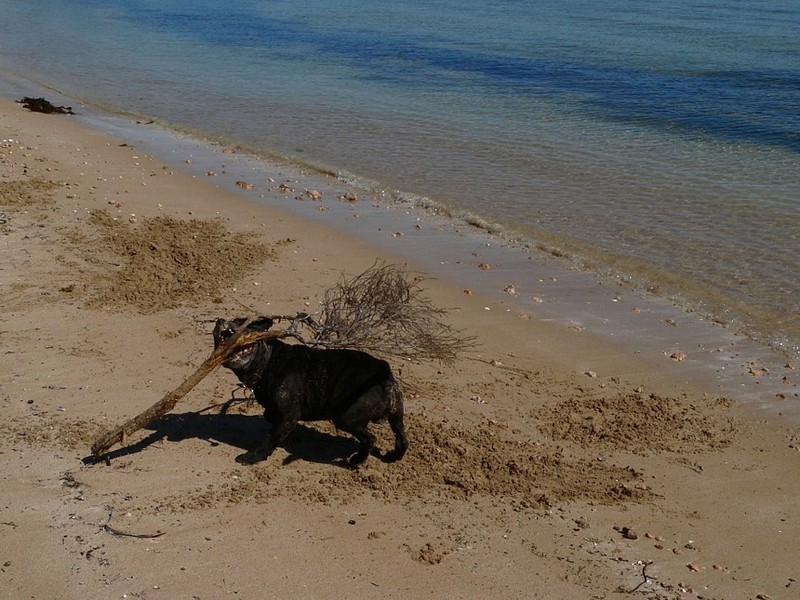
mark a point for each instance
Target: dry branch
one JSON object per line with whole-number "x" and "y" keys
{"x": 168, "y": 402}
{"x": 381, "y": 310}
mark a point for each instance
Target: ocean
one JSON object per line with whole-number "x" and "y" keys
{"x": 657, "y": 143}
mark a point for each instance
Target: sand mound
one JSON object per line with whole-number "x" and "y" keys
{"x": 27, "y": 192}
{"x": 445, "y": 462}
{"x": 165, "y": 262}
{"x": 640, "y": 424}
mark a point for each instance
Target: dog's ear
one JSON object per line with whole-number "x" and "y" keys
{"x": 261, "y": 324}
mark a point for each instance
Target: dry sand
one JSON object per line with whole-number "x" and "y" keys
{"x": 526, "y": 478}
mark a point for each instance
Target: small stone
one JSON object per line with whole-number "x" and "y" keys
{"x": 678, "y": 356}
{"x": 692, "y": 567}
{"x": 314, "y": 194}
{"x": 284, "y": 188}
{"x": 484, "y": 266}
{"x": 244, "y": 185}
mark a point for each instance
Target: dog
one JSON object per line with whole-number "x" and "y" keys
{"x": 294, "y": 382}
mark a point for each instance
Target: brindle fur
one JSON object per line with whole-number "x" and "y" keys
{"x": 294, "y": 382}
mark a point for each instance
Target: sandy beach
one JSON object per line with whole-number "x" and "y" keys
{"x": 543, "y": 464}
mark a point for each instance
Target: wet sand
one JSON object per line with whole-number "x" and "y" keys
{"x": 550, "y": 462}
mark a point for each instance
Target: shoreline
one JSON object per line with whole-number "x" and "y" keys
{"x": 546, "y": 287}
{"x": 532, "y": 460}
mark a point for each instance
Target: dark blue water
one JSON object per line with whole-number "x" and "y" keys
{"x": 656, "y": 140}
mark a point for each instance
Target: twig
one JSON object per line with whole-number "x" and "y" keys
{"x": 646, "y": 578}
{"x": 144, "y": 536}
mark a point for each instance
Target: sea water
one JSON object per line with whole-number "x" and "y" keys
{"x": 656, "y": 141}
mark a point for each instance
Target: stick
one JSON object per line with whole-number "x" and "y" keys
{"x": 168, "y": 402}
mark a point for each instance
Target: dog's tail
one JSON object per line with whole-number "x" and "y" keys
{"x": 395, "y": 418}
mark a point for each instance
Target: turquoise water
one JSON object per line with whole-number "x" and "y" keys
{"x": 659, "y": 141}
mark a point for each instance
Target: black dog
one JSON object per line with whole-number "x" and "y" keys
{"x": 294, "y": 382}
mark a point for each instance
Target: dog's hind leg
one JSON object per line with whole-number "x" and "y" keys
{"x": 355, "y": 422}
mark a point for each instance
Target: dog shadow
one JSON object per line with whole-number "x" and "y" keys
{"x": 240, "y": 431}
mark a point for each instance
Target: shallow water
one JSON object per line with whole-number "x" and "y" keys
{"x": 658, "y": 141}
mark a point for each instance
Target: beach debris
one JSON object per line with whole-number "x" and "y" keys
{"x": 314, "y": 194}
{"x": 212, "y": 174}
{"x": 284, "y": 188}
{"x": 244, "y": 185}
{"x": 756, "y": 371}
{"x": 144, "y": 536}
{"x": 349, "y": 197}
{"x": 510, "y": 289}
{"x": 646, "y": 579}
{"x": 484, "y": 266}
{"x": 44, "y": 106}
{"x": 627, "y": 532}
{"x": 678, "y": 356}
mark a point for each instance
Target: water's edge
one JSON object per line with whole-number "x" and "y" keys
{"x": 547, "y": 285}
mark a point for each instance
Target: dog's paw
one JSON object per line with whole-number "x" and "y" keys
{"x": 357, "y": 459}
{"x": 248, "y": 458}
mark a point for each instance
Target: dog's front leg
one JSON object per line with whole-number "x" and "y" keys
{"x": 261, "y": 452}
{"x": 282, "y": 426}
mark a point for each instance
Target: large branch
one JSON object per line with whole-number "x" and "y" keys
{"x": 241, "y": 338}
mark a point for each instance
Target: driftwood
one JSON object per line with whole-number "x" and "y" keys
{"x": 380, "y": 311}
{"x": 120, "y": 434}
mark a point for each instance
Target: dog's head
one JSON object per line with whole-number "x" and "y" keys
{"x": 244, "y": 356}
